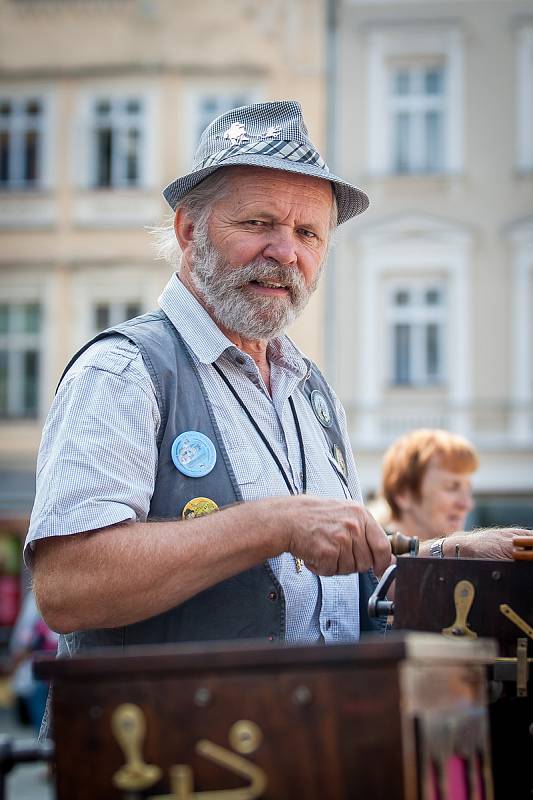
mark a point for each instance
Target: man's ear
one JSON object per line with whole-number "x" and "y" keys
{"x": 184, "y": 229}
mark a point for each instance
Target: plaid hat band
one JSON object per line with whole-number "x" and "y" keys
{"x": 267, "y": 135}
{"x": 276, "y": 149}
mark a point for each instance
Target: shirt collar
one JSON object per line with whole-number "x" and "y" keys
{"x": 203, "y": 336}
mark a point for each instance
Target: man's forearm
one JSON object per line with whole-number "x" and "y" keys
{"x": 125, "y": 573}
{"x": 128, "y": 572}
{"x": 481, "y": 543}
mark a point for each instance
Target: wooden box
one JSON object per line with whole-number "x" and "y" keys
{"x": 393, "y": 719}
{"x": 467, "y": 598}
{"x": 425, "y": 596}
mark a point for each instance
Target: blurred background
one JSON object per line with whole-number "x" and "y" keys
{"x": 425, "y": 313}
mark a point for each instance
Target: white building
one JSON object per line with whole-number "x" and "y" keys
{"x": 430, "y": 319}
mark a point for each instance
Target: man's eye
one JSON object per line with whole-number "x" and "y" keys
{"x": 255, "y": 222}
{"x": 307, "y": 234}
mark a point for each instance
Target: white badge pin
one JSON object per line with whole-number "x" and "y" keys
{"x": 272, "y": 132}
{"x": 236, "y": 133}
{"x": 321, "y": 408}
{"x": 338, "y": 455}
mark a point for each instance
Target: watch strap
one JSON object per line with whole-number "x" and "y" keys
{"x": 436, "y": 549}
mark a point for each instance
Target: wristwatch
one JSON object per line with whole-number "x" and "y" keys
{"x": 436, "y": 548}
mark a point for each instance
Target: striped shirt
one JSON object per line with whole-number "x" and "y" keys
{"x": 97, "y": 462}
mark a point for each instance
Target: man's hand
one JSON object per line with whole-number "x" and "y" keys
{"x": 334, "y": 537}
{"x": 491, "y": 543}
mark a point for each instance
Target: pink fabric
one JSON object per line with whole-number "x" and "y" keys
{"x": 457, "y": 779}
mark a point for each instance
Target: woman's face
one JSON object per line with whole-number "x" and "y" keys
{"x": 444, "y": 502}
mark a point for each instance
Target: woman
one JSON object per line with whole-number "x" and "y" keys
{"x": 426, "y": 483}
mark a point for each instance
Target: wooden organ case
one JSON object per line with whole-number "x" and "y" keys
{"x": 463, "y": 600}
{"x": 397, "y": 718}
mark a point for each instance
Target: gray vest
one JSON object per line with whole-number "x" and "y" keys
{"x": 250, "y": 605}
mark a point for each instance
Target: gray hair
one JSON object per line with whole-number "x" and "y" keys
{"x": 198, "y": 203}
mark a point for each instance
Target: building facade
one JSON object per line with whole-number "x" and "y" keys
{"x": 433, "y": 287}
{"x": 424, "y": 316}
{"x": 101, "y": 105}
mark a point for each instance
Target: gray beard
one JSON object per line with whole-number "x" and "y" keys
{"x": 238, "y": 309}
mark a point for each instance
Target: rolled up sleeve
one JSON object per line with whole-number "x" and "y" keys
{"x": 97, "y": 461}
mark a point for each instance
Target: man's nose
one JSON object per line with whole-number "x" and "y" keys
{"x": 281, "y": 246}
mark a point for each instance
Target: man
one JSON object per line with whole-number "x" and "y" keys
{"x": 205, "y": 404}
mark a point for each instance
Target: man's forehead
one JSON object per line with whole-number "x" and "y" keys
{"x": 249, "y": 175}
{"x": 257, "y": 185}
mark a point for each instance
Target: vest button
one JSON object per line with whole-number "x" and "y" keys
{"x": 271, "y": 637}
{"x": 273, "y": 596}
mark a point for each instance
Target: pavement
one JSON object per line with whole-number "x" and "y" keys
{"x": 25, "y": 781}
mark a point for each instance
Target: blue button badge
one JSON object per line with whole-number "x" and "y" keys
{"x": 193, "y": 454}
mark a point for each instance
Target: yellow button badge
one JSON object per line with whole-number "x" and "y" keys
{"x": 198, "y": 507}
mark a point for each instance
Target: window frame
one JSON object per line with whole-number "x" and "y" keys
{"x": 120, "y": 124}
{"x": 416, "y": 45}
{"x": 417, "y": 317}
{"x": 411, "y": 246}
{"x": 17, "y": 128}
{"x": 18, "y": 343}
{"x": 83, "y": 160}
{"x": 415, "y": 106}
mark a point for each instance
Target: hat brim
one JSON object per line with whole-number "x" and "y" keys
{"x": 351, "y": 201}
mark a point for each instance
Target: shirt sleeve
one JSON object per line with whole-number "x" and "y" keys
{"x": 97, "y": 460}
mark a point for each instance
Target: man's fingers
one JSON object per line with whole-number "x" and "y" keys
{"x": 379, "y": 546}
{"x": 346, "y": 562}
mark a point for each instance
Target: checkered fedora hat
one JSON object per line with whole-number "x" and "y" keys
{"x": 272, "y": 135}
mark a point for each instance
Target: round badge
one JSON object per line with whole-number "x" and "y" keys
{"x": 321, "y": 408}
{"x": 338, "y": 455}
{"x": 193, "y": 454}
{"x": 198, "y": 507}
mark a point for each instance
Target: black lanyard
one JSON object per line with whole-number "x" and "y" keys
{"x": 265, "y": 440}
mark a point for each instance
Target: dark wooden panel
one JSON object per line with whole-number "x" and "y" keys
{"x": 424, "y": 596}
{"x": 312, "y": 749}
{"x": 336, "y": 723}
{"x": 424, "y": 601}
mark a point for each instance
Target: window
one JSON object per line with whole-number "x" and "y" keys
{"x": 417, "y": 107}
{"x": 415, "y": 100}
{"x": 416, "y": 319}
{"x": 21, "y": 142}
{"x": 20, "y": 327}
{"x": 117, "y": 131}
{"x": 107, "y": 314}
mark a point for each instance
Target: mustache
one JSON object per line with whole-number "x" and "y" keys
{"x": 261, "y": 269}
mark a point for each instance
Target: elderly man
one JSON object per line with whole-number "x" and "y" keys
{"x": 205, "y": 404}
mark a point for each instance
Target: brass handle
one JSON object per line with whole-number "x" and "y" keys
{"x": 238, "y": 765}
{"x": 245, "y": 736}
{"x": 508, "y": 612}
{"x": 463, "y": 596}
{"x": 129, "y": 727}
